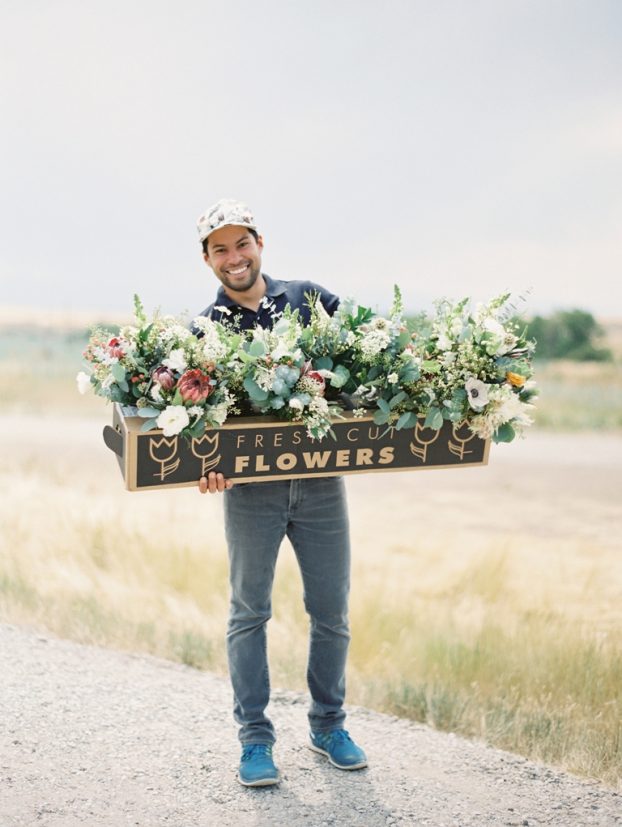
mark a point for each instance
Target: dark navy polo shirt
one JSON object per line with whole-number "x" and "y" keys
{"x": 278, "y": 295}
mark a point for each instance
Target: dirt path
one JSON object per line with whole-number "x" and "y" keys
{"x": 97, "y": 737}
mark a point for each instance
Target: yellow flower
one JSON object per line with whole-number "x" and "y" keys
{"x": 515, "y": 379}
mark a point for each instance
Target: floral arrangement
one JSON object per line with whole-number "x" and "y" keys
{"x": 458, "y": 364}
{"x": 178, "y": 381}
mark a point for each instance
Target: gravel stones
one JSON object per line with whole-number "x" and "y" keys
{"x": 99, "y": 737}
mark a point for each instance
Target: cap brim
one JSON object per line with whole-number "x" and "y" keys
{"x": 227, "y": 224}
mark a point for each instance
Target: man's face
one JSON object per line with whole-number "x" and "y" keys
{"x": 235, "y": 257}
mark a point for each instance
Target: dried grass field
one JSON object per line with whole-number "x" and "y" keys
{"x": 486, "y": 601}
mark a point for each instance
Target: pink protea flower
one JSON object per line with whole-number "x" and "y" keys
{"x": 313, "y": 376}
{"x": 115, "y": 349}
{"x": 317, "y": 378}
{"x": 194, "y": 386}
{"x": 164, "y": 377}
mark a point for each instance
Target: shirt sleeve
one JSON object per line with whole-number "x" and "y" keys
{"x": 329, "y": 300}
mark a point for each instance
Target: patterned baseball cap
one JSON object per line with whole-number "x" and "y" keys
{"x": 222, "y": 213}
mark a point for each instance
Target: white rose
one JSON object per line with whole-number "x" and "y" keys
{"x": 173, "y": 419}
{"x": 84, "y": 381}
{"x": 176, "y": 360}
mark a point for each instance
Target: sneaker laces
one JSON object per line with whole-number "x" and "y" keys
{"x": 256, "y": 751}
{"x": 339, "y": 735}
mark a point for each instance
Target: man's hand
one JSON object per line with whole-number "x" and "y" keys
{"x": 214, "y": 483}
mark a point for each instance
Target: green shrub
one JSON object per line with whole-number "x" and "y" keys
{"x": 568, "y": 334}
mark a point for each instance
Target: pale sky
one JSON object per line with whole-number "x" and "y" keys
{"x": 455, "y": 148}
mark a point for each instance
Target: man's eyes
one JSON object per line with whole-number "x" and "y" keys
{"x": 220, "y": 250}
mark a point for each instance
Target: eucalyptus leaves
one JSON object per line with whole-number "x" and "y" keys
{"x": 457, "y": 364}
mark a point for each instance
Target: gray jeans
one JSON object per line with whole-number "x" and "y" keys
{"x": 313, "y": 515}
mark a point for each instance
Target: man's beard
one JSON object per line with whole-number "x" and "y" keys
{"x": 242, "y": 286}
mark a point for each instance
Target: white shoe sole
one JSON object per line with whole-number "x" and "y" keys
{"x": 261, "y": 782}
{"x": 358, "y": 766}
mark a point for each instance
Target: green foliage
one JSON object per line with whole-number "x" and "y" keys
{"x": 256, "y": 393}
{"x": 568, "y": 334}
{"x": 340, "y": 376}
{"x": 504, "y": 433}
{"x": 434, "y": 419}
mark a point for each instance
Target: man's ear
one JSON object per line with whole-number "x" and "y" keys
{"x": 260, "y": 242}
{"x": 206, "y": 259}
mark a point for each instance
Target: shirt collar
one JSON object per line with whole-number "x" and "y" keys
{"x": 274, "y": 288}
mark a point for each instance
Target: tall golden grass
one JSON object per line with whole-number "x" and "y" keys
{"x": 489, "y": 605}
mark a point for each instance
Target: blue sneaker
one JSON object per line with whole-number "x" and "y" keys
{"x": 257, "y": 767}
{"x": 339, "y": 748}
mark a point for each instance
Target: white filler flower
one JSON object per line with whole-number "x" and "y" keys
{"x": 84, "y": 381}
{"x": 173, "y": 419}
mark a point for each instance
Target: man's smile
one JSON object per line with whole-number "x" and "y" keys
{"x": 237, "y": 271}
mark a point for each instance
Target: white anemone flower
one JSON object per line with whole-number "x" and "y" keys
{"x": 477, "y": 392}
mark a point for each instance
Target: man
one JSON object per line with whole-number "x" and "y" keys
{"x": 312, "y": 513}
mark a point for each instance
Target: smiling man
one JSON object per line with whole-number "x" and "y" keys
{"x": 312, "y": 513}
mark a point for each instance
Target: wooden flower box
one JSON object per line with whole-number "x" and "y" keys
{"x": 256, "y": 449}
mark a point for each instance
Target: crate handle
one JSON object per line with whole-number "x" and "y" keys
{"x": 113, "y": 440}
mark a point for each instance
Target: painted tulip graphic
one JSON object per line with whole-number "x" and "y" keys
{"x": 423, "y": 437}
{"x": 163, "y": 452}
{"x": 205, "y": 448}
{"x": 462, "y": 434}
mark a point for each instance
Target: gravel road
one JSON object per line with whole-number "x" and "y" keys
{"x": 99, "y": 737}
